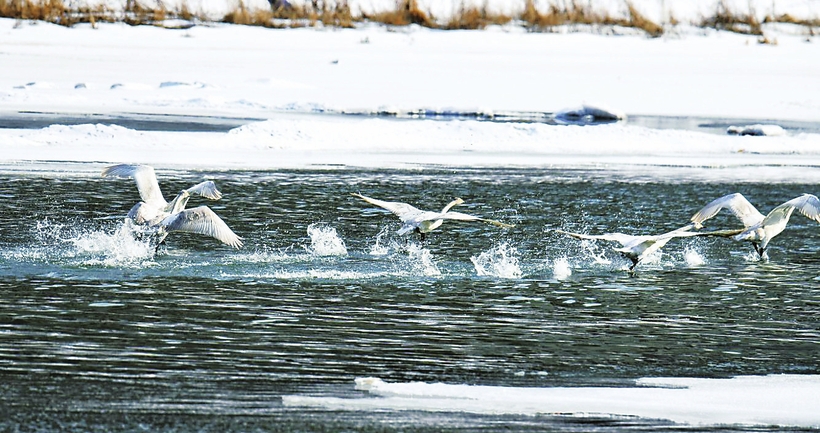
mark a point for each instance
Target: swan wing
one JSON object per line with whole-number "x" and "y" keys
{"x": 458, "y": 216}
{"x": 808, "y": 205}
{"x": 737, "y": 204}
{"x": 202, "y": 220}
{"x": 404, "y": 211}
{"x": 146, "y": 178}
{"x": 206, "y": 189}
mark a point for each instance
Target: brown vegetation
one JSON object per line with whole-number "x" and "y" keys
{"x": 727, "y": 19}
{"x": 406, "y": 12}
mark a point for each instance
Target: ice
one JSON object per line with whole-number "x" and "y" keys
{"x": 773, "y": 400}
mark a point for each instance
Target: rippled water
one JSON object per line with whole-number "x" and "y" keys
{"x": 99, "y": 334}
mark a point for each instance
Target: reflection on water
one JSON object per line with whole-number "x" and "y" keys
{"x": 97, "y": 333}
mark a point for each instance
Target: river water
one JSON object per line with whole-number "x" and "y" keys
{"x": 98, "y": 333}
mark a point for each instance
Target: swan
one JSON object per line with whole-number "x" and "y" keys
{"x": 161, "y": 217}
{"x": 638, "y": 247}
{"x": 759, "y": 229}
{"x": 422, "y": 221}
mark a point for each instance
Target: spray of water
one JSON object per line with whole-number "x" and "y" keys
{"x": 561, "y": 269}
{"x": 380, "y": 247}
{"x": 324, "y": 241}
{"x": 500, "y": 261}
{"x": 693, "y": 257}
{"x": 119, "y": 244}
{"x": 420, "y": 260}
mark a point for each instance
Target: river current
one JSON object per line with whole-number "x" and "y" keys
{"x": 98, "y": 333}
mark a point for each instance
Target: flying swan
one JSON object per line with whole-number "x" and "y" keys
{"x": 638, "y": 247}
{"x": 422, "y": 221}
{"x": 759, "y": 229}
{"x": 164, "y": 217}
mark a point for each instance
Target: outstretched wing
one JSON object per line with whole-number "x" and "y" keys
{"x": 146, "y": 179}
{"x": 737, "y": 204}
{"x": 206, "y": 189}
{"x": 807, "y": 204}
{"x": 202, "y": 220}
{"x": 458, "y": 216}
{"x": 403, "y": 210}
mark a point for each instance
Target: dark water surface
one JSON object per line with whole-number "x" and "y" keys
{"x": 98, "y": 334}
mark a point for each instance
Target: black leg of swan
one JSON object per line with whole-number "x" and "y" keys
{"x": 760, "y": 251}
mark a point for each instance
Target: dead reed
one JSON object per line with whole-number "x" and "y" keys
{"x": 337, "y": 13}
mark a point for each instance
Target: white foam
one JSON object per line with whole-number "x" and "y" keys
{"x": 115, "y": 246}
{"x": 777, "y": 400}
{"x": 500, "y": 261}
{"x": 324, "y": 241}
{"x": 421, "y": 260}
{"x": 693, "y": 257}
{"x": 561, "y": 268}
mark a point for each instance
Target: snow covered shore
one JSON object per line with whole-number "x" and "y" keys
{"x": 294, "y": 77}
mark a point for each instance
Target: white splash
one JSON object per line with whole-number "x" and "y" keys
{"x": 120, "y": 246}
{"x": 561, "y": 269}
{"x": 380, "y": 248}
{"x": 693, "y": 257}
{"x": 593, "y": 251}
{"x": 421, "y": 260}
{"x": 324, "y": 241}
{"x": 500, "y": 261}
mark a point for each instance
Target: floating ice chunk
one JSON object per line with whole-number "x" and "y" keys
{"x": 757, "y": 130}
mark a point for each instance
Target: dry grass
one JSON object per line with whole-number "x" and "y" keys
{"x": 727, "y": 19}
{"x": 638, "y": 21}
{"x": 337, "y": 15}
{"x": 406, "y": 12}
{"x": 56, "y": 11}
{"x": 474, "y": 18}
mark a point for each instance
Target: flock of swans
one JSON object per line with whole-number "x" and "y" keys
{"x": 157, "y": 217}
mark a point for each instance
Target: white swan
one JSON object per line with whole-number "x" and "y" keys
{"x": 426, "y": 221}
{"x": 162, "y": 217}
{"x": 759, "y": 229}
{"x": 636, "y": 248}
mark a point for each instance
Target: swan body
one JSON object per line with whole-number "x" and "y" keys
{"x": 160, "y": 217}
{"x": 759, "y": 229}
{"x": 423, "y": 221}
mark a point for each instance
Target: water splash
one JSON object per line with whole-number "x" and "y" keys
{"x": 693, "y": 257}
{"x": 324, "y": 241}
{"x": 117, "y": 245}
{"x": 380, "y": 248}
{"x": 500, "y": 261}
{"x": 593, "y": 251}
{"x": 561, "y": 269}
{"x": 421, "y": 260}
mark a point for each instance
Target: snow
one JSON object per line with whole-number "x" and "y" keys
{"x": 297, "y": 81}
